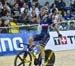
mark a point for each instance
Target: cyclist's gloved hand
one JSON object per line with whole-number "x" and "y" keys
{"x": 60, "y": 35}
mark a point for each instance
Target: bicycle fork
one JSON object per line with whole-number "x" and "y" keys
{"x": 32, "y": 54}
{"x": 26, "y": 60}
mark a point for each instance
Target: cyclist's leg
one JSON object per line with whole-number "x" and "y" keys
{"x": 42, "y": 46}
{"x": 34, "y": 38}
{"x": 31, "y": 39}
{"x": 42, "y": 55}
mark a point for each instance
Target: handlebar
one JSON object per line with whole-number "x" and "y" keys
{"x": 28, "y": 45}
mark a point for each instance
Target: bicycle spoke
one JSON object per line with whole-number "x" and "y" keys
{"x": 20, "y": 58}
{"x": 20, "y": 63}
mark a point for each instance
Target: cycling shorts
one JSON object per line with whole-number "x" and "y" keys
{"x": 42, "y": 38}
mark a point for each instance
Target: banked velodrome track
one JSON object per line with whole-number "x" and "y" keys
{"x": 63, "y": 58}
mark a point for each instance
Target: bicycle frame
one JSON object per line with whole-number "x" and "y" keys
{"x": 34, "y": 56}
{"x": 29, "y": 51}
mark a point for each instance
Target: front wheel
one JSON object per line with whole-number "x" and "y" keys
{"x": 23, "y": 59}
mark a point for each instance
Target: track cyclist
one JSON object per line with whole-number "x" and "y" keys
{"x": 44, "y": 36}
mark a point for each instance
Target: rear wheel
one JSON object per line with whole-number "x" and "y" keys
{"x": 23, "y": 59}
{"x": 49, "y": 58}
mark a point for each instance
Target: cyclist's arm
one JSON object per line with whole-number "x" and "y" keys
{"x": 55, "y": 28}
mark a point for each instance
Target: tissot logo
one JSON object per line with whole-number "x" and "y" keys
{"x": 64, "y": 40}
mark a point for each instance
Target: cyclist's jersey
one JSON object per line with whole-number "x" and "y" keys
{"x": 45, "y": 23}
{"x": 44, "y": 36}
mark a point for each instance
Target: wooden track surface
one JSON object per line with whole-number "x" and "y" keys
{"x": 63, "y": 58}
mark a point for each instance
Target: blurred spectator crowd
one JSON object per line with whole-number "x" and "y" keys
{"x": 27, "y": 12}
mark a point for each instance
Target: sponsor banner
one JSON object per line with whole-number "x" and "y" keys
{"x": 9, "y": 43}
{"x": 67, "y": 42}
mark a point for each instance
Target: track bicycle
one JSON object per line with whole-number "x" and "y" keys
{"x": 26, "y": 57}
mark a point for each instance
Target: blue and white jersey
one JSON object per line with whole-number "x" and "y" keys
{"x": 45, "y": 23}
{"x": 44, "y": 36}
